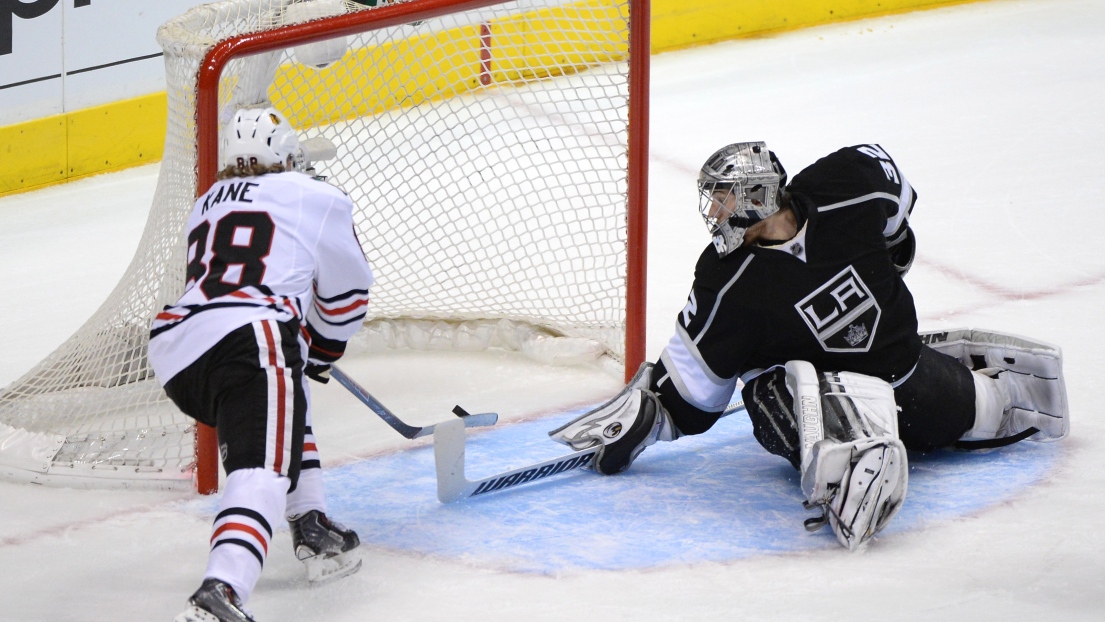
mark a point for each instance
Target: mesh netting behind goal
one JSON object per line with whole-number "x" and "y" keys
{"x": 486, "y": 147}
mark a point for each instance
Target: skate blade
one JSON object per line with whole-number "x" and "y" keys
{"x": 195, "y": 614}
{"x": 323, "y": 570}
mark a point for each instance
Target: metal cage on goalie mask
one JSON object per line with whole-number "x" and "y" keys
{"x": 739, "y": 186}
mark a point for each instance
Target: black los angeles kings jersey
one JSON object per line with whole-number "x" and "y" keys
{"x": 830, "y": 296}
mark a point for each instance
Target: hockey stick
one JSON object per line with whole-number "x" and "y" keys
{"x": 467, "y": 420}
{"x": 453, "y": 485}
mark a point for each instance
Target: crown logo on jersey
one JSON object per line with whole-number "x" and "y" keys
{"x": 856, "y": 334}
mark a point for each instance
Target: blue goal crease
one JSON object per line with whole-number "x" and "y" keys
{"x": 711, "y": 498}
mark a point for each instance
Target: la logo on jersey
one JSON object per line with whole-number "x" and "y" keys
{"x": 842, "y": 313}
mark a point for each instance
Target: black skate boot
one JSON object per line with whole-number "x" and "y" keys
{"x": 215, "y": 601}
{"x": 324, "y": 546}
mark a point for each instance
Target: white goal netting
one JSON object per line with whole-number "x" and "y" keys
{"x": 486, "y": 151}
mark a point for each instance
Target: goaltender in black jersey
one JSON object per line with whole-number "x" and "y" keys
{"x": 801, "y": 299}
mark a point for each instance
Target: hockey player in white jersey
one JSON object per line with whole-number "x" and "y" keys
{"x": 801, "y": 296}
{"x": 276, "y": 283}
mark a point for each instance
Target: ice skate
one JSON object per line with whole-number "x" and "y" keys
{"x": 215, "y": 601}
{"x": 324, "y": 546}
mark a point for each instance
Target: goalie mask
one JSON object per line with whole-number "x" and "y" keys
{"x": 739, "y": 186}
{"x": 262, "y": 136}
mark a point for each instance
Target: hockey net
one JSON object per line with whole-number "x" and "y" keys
{"x": 496, "y": 169}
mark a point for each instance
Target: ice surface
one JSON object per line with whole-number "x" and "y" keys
{"x": 994, "y": 112}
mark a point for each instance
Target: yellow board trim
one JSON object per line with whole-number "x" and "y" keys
{"x": 116, "y": 136}
{"x": 33, "y": 154}
{"x": 128, "y": 133}
{"x": 85, "y": 142}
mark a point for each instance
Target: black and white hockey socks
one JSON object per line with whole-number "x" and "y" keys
{"x": 241, "y": 535}
{"x": 308, "y": 494}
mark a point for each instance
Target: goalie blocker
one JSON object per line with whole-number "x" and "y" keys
{"x": 621, "y": 428}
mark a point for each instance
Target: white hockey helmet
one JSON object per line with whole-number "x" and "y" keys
{"x": 259, "y": 135}
{"x": 739, "y": 185}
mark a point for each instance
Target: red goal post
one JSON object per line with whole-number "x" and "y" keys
{"x": 208, "y": 116}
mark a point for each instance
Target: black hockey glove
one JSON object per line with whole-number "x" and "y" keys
{"x": 319, "y": 372}
{"x": 902, "y": 250}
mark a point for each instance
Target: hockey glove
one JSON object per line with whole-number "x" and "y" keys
{"x": 902, "y": 250}
{"x": 319, "y": 372}
{"x": 633, "y": 420}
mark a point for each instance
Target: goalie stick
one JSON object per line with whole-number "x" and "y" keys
{"x": 453, "y": 485}
{"x": 409, "y": 431}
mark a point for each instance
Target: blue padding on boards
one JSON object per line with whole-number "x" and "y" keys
{"x": 714, "y": 497}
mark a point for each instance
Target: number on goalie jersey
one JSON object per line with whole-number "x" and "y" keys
{"x": 802, "y": 295}
{"x": 275, "y": 285}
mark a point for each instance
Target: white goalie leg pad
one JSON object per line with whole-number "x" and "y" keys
{"x": 624, "y": 426}
{"x": 877, "y": 486}
{"x": 853, "y": 465}
{"x": 1018, "y": 383}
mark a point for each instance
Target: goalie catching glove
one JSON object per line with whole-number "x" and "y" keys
{"x": 622, "y": 427}
{"x": 853, "y": 465}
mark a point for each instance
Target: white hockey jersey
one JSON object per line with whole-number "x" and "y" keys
{"x": 279, "y": 246}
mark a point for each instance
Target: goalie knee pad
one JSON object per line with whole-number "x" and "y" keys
{"x": 853, "y": 465}
{"x": 624, "y": 426}
{"x": 770, "y": 407}
{"x": 1019, "y": 387}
